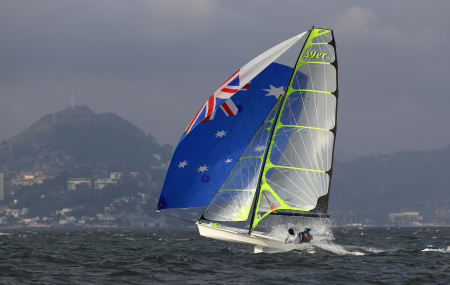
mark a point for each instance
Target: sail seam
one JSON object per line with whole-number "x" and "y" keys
{"x": 305, "y": 127}
{"x": 241, "y": 190}
{"x": 309, "y": 90}
{"x": 249, "y": 157}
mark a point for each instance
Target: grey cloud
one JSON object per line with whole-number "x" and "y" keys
{"x": 155, "y": 62}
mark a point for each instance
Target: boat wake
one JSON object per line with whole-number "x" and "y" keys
{"x": 323, "y": 240}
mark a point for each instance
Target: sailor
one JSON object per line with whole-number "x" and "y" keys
{"x": 305, "y": 236}
{"x": 302, "y": 237}
{"x": 292, "y": 237}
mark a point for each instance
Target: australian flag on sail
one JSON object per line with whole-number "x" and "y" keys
{"x": 218, "y": 134}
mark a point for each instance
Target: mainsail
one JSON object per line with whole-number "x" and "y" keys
{"x": 292, "y": 175}
{"x": 298, "y": 167}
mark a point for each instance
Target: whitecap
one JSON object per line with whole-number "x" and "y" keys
{"x": 442, "y": 250}
{"x": 372, "y": 249}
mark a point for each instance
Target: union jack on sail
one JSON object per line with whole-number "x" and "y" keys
{"x": 219, "y": 98}
{"x": 240, "y": 80}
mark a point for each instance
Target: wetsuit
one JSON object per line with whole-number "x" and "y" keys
{"x": 303, "y": 237}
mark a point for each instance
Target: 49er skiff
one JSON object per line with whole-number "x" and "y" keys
{"x": 262, "y": 144}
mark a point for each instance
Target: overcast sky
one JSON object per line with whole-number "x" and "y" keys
{"x": 155, "y": 62}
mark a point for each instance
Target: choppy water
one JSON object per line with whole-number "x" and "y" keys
{"x": 363, "y": 256}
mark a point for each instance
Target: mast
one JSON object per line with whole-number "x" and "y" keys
{"x": 322, "y": 204}
{"x": 258, "y": 189}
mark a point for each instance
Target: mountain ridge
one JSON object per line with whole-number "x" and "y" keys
{"x": 77, "y": 135}
{"x": 402, "y": 181}
{"x": 81, "y": 143}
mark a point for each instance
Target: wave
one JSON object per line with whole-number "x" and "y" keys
{"x": 442, "y": 250}
{"x": 339, "y": 249}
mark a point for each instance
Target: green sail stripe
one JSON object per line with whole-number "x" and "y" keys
{"x": 297, "y": 168}
{"x": 304, "y": 127}
{"x": 268, "y": 165}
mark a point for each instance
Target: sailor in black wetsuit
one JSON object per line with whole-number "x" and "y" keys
{"x": 305, "y": 236}
{"x": 302, "y": 237}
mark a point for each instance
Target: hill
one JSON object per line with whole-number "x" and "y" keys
{"x": 371, "y": 187}
{"x": 79, "y": 140}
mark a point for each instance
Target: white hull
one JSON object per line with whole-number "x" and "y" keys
{"x": 241, "y": 236}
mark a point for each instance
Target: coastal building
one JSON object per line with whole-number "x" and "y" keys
{"x": 115, "y": 175}
{"x": 26, "y": 178}
{"x": 143, "y": 179}
{"x": 405, "y": 219}
{"x": 103, "y": 182}
{"x": 16, "y": 213}
{"x": 2, "y": 186}
{"x": 78, "y": 183}
{"x": 106, "y": 219}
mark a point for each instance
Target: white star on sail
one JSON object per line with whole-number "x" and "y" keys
{"x": 221, "y": 134}
{"x": 274, "y": 91}
{"x": 259, "y": 148}
{"x": 228, "y": 160}
{"x": 202, "y": 168}
{"x": 182, "y": 164}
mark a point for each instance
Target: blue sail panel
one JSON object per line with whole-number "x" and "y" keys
{"x": 204, "y": 157}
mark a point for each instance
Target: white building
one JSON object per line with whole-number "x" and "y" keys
{"x": 115, "y": 175}
{"x": 76, "y": 183}
{"x": 405, "y": 218}
{"x": 103, "y": 182}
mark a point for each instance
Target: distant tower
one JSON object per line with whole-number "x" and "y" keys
{"x": 2, "y": 187}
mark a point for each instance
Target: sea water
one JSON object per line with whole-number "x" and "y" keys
{"x": 336, "y": 256}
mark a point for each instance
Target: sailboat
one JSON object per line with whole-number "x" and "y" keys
{"x": 262, "y": 145}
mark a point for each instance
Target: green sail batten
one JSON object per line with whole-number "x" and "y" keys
{"x": 304, "y": 127}
{"x": 298, "y": 168}
{"x": 264, "y": 186}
